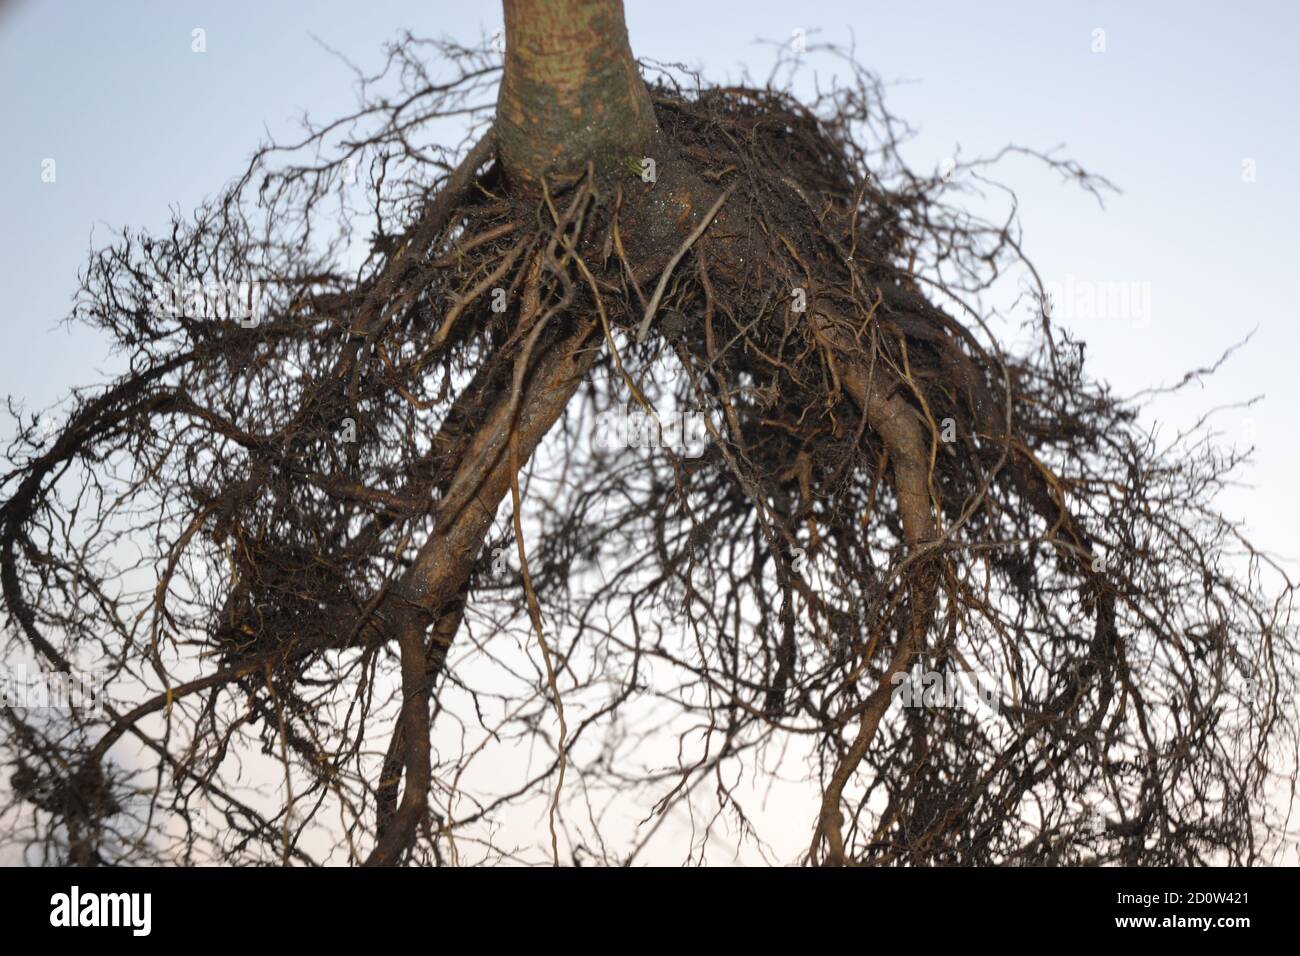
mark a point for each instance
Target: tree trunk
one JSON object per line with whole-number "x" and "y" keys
{"x": 571, "y": 91}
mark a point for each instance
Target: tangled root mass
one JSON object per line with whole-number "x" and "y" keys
{"x": 883, "y": 490}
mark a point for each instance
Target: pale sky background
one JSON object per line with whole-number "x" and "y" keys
{"x": 1183, "y": 95}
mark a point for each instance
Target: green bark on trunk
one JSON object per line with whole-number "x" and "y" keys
{"x": 571, "y": 90}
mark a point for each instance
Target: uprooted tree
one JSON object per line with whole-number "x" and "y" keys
{"x": 341, "y": 529}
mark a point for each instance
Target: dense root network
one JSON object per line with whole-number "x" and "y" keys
{"x": 337, "y": 508}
